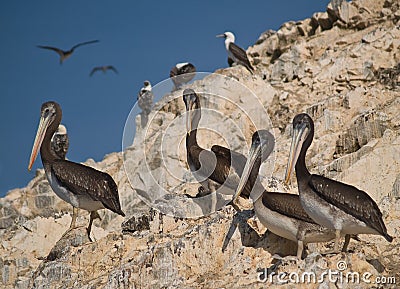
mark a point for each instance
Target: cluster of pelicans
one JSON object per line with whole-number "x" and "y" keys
{"x": 323, "y": 210}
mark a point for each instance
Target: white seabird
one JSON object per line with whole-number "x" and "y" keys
{"x": 145, "y": 102}
{"x": 60, "y": 142}
{"x": 236, "y": 54}
{"x": 182, "y": 73}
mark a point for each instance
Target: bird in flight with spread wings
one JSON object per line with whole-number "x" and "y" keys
{"x": 65, "y": 54}
{"x": 103, "y": 68}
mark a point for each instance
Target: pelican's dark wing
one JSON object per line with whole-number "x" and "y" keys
{"x": 351, "y": 200}
{"x": 83, "y": 43}
{"x": 237, "y": 160}
{"x": 286, "y": 204}
{"x": 84, "y": 180}
{"x": 230, "y": 165}
{"x": 240, "y": 55}
{"x": 57, "y": 50}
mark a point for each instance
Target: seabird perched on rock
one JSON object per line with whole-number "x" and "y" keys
{"x": 103, "y": 68}
{"x": 182, "y": 73}
{"x": 281, "y": 213}
{"x": 220, "y": 164}
{"x": 60, "y": 142}
{"x": 65, "y": 54}
{"x": 236, "y": 54}
{"x": 81, "y": 186}
{"x": 332, "y": 204}
{"x": 145, "y": 101}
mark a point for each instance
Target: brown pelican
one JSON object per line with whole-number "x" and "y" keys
{"x": 236, "y": 54}
{"x": 220, "y": 165}
{"x": 65, "y": 54}
{"x": 81, "y": 186}
{"x": 60, "y": 142}
{"x": 182, "y": 73}
{"x": 281, "y": 213}
{"x": 103, "y": 68}
{"x": 145, "y": 102}
{"x": 330, "y": 203}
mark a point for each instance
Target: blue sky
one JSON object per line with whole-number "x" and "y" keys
{"x": 143, "y": 40}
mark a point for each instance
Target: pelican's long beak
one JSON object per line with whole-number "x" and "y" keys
{"x": 188, "y": 121}
{"x": 189, "y": 116}
{"x": 254, "y": 152}
{"x": 300, "y": 133}
{"x": 220, "y": 36}
{"x": 41, "y": 131}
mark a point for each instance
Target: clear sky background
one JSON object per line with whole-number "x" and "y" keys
{"x": 143, "y": 40}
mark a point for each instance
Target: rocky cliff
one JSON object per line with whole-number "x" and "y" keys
{"x": 341, "y": 66}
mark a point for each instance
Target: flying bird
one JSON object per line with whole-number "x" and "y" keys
{"x": 332, "y": 204}
{"x": 65, "y": 54}
{"x": 81, "y": 186}
{"x": 236, "y": 54}
{"x": 103, "y": 68}
{"x": 60, "y": 142}
{"x": 145, "y": 101}
{"x": 182, "y": 73}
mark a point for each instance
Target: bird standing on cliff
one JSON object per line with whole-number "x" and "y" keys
{"x": 81, "y": 186}
{"x": 60, "y": 142}
{"x": 182, "y": 73}
{"x": 332, "y": 204}
{"x": 145, "y": 102}
{"x": 236, "y": 54}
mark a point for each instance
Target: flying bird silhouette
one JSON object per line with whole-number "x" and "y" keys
{"x": 65, "y": 54}
{"x": 103, "y": 68}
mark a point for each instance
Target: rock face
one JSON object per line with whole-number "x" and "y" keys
{"x": 341, "y": 67}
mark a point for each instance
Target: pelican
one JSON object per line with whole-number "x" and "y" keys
{"x": 145, "y": 102}
{"x": 281, "y": 213}
{"x": 182, "y": 73}
{"x": 65, "y": 54}
{"x": 236, "y": 54}
{"x": 332, "y": 204}
{"x": 81, "y": 186}
{"x": 60, "y": 142}
{"x": 103, "y": 68}
{"x": 220, "y": 165}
